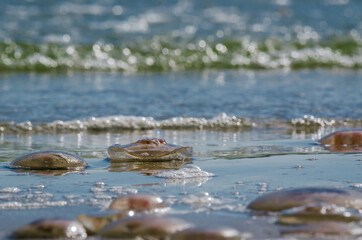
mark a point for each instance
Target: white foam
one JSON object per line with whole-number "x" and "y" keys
{"x": 187, "y": 171}
{"x": 201, "y": 200}
{"x": 33, "y": 205}
{"x": 10, "y": 190}
{"x": 131, "y": 123}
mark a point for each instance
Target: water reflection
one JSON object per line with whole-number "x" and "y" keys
{"x": 344, "y": 149}
{"x": 61, "y": 172}
{"x": 146, "y": 168}
{"x": 197, "y": 181}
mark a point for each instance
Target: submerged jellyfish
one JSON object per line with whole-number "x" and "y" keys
{"x": 286, "y": 199}
{"x": 343, "y": 141}
{"x": 148, "y": 150}
{"x": 49, "y": 160}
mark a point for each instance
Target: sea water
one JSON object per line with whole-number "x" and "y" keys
{"x": 251, "y": 86}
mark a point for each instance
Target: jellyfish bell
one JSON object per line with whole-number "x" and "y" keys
{"x": 343, "y": 141}
{"x": 49, "y": 160}
{"x": 51, "y": 228}
{"x": 145, "y": 227}
{"x": 149, "y": 150}
{"x": 290, "y": 198}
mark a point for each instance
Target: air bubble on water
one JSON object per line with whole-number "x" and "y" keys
{"x": 187, "y": 171}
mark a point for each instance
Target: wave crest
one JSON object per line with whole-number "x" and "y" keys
{"x": 164, "y": 54}
{"x": 132, "y": 123}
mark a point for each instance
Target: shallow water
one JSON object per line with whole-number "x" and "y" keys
{"x": 269, "y": 95}
{"x": 245, "y": 164}
{"x": 250, "y": 138}
{"x": 251, "y": 86}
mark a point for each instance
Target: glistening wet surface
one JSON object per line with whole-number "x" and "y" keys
{"x": 251, "y": 86}
{"x": 282, "y": 161}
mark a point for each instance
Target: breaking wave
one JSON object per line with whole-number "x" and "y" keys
{"x": 132, "y": 123}
{"x": 165, "y": 54}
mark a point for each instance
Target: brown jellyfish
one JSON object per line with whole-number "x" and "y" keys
{"x": 144, "y": 226}
{"x": 149, "y": 150}
{"x": 277, "y": 201}
{"x": 49, "y": 160}
{"x": 137, "y": 203}
{"x": 51, "y": 228}
{"x": 343, "y": 141}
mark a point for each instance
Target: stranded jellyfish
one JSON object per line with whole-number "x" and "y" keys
{"x": 145, "y": 227}
{"x": 137, "y": 203}
{"x": 127, "y": 205}
{"x": 207, "y": 233}
{"x": 49, "y": 160}
{"x": 343, "y": 141}
{"x": 286, "y": 199}
{"x": 51, "y": 228}
{"x": 148, "y": 150}
{"x": 314, "y": 211}
{"x": 323, "y": 228}
{"x": 318, "y": 212}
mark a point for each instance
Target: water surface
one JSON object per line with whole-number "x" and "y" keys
{"x": 251, "y": 86}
